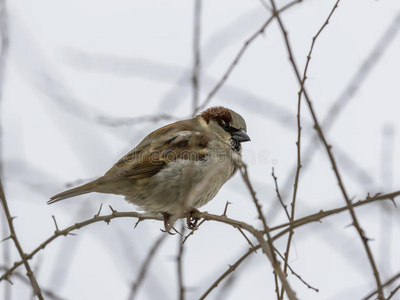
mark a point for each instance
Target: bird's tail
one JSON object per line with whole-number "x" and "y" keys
{"x": 80, "y": 190}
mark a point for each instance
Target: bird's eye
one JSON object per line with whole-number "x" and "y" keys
{"x": 226, "y": 126}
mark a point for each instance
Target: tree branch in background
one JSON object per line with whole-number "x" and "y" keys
{"x": 46, "y": 292}
{"x": 114, "y": 122}
{"x": 196, "y": 54}
{"x": 239, "y": 56}
{"x": 145, "y": 266}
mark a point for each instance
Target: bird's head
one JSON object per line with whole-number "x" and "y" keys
{"x": 227, "y": 125}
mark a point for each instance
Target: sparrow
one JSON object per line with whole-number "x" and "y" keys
{"x": 176, "y": 168}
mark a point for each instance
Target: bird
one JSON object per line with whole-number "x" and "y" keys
{"x": 177, "y": 168}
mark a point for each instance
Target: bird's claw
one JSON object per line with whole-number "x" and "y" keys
{"x": 167, "y": 231}
{"x": 167, "y": 226}
{"x": 191, "y": 222}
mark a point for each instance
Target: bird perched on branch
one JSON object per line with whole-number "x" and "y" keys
{"x": 176, "y": 168}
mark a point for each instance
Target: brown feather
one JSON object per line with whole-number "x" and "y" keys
{"x": 219, "y": 114}
{"x": 159, "y": 148}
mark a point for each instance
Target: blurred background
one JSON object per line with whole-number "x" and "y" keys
{"x": 85, "y": 81}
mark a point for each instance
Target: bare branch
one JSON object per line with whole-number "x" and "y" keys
{"x": 279, "y": 194}
{"x": 297, "y": 223}
{"x": 322, "y": 214}
{"x": 392, "y": 293}
{"x": 239, "y": 56}
{"x": 31, "y": 276}
{"x": 229, "y": 271}
{"x": 48, "y": 293}
{"x": 328, "y": 148}
{"x": 387, "y": 283}
{"x": 298, "y": 143}
{"x": 344, "y": 98}
{"x": 297, "y": 275}
{"x": 267, "y": 246}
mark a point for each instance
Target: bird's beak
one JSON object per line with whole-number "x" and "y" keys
{"x": 240, "y": 136}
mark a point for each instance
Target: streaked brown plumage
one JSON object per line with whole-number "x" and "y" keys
{"x": 162, "y": 172}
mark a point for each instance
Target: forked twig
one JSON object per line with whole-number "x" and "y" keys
{"x": 298, "y": 143}
{"x": 13, "y": 235}
{"x": 328, "y": 148}
{"x": 239, "y": 56}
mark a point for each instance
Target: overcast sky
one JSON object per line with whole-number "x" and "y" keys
{"x": 74, "y": 67}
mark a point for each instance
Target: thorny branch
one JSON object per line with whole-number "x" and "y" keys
{"x": 46, "y": 292}
{"x": 203, "y": 215}
{"x": 328, "y": 148}
{"x": 347, "y": 94}
{"x": 13, "y": 236}
{"x": 298, "y": 144}
{"x": 267, "y": 246}
{"x": 322, "y": 214}
{"x": 387, "y": 283}
{"x": 297, "y": 223}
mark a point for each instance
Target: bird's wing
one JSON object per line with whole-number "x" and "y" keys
{"x": 171, "y": 142}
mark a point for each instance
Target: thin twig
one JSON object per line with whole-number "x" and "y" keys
{"x": 226, "y": 207}
{"x": 55, "y": 223}
{"x": 48, "y": 293}
{"x": 234, "y": 63}
{"x": 245, "y": 236}
{"x": 347, "y": 94}
{"x": 393, "y": 292}
{"x": 390, "y": 281}
{"x": 297, "y": 223}
{"x": 279, "y": 194}
{"x": 298, "y": 143}
{"x": 13, "y": 234}
{"x": 297, "y": 275}
{"x": 145, "y": 266}
{"x": 193, "y": 231}
{"x": 323, "y": 214}
{"x": 328, "y": 148}
{"x": 229, "y": 271}
{"x": 267, "y": 246}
